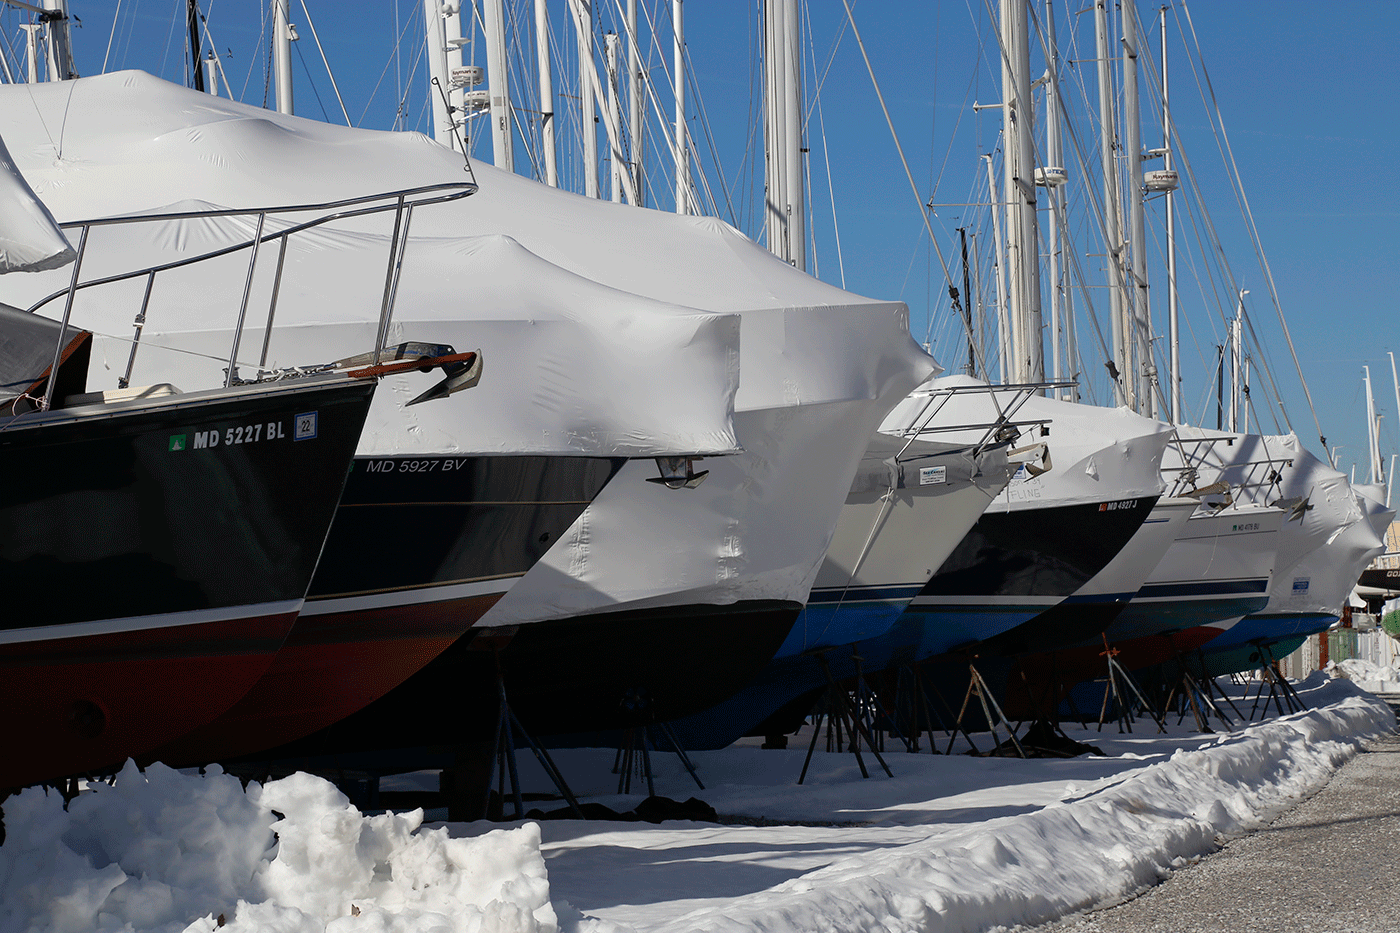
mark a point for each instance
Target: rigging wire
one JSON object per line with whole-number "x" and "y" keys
{"x": 1254, "y": 234}
{"x": 311, "y": 81}
{"x": 905, "y": 162}
{"x": 324, "y": 61}
{"x": 116, "y": 14}
{"x": 393, "y": 57}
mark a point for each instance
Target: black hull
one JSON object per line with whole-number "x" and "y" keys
{"x": 1381, "y": 579}
{"x": 1044, "y": 552}
{"x": 581, "y": 675}
{"x": 151, "y": 572}
{"x": 146, "y": 516}
{"x": 449, "y": 520}
{"x": 1038, "y": 552}
{"x": 420, "y": 549}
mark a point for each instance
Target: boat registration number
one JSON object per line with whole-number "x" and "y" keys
{"x": 438, "y": 465}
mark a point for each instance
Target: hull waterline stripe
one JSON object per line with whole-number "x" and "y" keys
{"x": 144, "y": 623}
{"x": 409, "y": 596}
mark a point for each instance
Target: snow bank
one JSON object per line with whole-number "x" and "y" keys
{"x": 165, "y": 851}
{"x": 1367, "y": 675}
{"x": 1070, "y": 856}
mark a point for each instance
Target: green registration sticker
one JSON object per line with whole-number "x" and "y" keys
{"x": 177, "y": 442}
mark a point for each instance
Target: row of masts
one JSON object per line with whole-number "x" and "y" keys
{"x": 1133, "y": 367}
{"x": 601, "y": 101}
{"x": 456, "y": 96}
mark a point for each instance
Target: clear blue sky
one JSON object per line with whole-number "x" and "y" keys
{"x": 1307, "y": 92}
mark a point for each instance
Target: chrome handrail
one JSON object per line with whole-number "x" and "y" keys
{"x": 401, "y": 201}
{"x": 939, "y": 396}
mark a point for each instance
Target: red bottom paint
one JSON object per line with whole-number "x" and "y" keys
{"x": 332, "y": 665}
{"x": 85, "y": 704}
{"x": 1049, "y": 677}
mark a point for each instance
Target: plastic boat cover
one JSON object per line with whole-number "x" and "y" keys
{"x": 571, "y": 366}
{"x": 1326, "y": 539}
{"x": 134, "y": 142}
{"x": 29, "y": 239}
{"x": 1095, "y": 454}
{"x": 820, "y": 366}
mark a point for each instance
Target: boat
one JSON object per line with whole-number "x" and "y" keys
{"x": 1031, "y": 573}
{"x": 649, "y": 581}
{"x": 156, "y": 545}
{"x": 912, "y": 500}
{"x": 1323, "y": 544}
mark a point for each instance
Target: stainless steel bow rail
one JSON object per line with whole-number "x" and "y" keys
{"x": 402, "y": 202}
{"x": 1256, "y": 481}
{"x": 1006, "y": 399}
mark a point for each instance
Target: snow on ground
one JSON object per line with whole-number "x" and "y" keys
{"x": 949, "y": 843}
{"x": 167, "y": 851}
{"x": 1367, "y": 675}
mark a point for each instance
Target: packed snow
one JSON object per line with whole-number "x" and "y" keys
{"x": 950, "y": 843}
{"x": 1369, "y": 676}
{"x": 166, "y": 851}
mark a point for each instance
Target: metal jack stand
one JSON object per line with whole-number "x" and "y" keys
{"x": 1295, "y": 702}
{"x": 910, "y": 684}
{"x": 977, "y": 686}
{"x": 503, "y": 757}
{"x": 1200, "y": 695}
{"x": 867, "y": 699}
{"x": 1280, "y": 690}
{"x": 627, "y": 759}
{"x": 838, "y": 712}
{"x": 1124, "y": 689}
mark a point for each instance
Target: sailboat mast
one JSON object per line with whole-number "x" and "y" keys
{"x": 435, "y": 35}
{"x": 967, "y": 307}
{"x": 211, "y": 74}
{"x": 1173, "y": 304}
{"x": 1395, "y": 380}
{"x": 588, "y": 112}
{"x": 1125, "y": 383}
{"x": 635, "y": 87}
{"x": 1003, "y": 323}
{"x": 774, "y": 113}
{"x": 682, "y": 137}
{"x": 282, "y": 54}
{"x": 456, "y": 90}
{"x": 196, "y": 58}
{"x": 545, "y": 67}
{"x": 615, "y": 164}
{"x": 60, "y": 41}
{"x": 1061, "y": 327}
{"x": 493, "y": 24}
{"x": 792, "y": 136}
{"x": 1018, "y": 178}
{"x": 1373, "y": 447}
{"x": 975, "y": 337}
{"x": 785, "y": 205}
{"x": 1236, "y": 362}
{"x": 1137, "y": 252}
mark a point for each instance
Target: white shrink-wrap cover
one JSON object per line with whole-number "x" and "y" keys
{"x": 29, "y": 239}
{"x": 820, "y": 366}
{"x": 569, "y": 366}
{"x": 1095, "y": 454}
{"x": 1326, "y": 539}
